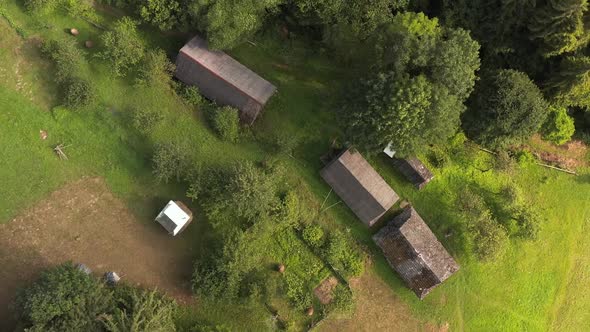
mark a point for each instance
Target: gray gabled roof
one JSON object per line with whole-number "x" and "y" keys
{"x": 360, "y": 186}
{"x": 415, "y": 253}
{"x": 229, "y": 70}
{"x": 414, "y": 170}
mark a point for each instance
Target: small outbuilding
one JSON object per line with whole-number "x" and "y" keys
{"x": 175, "y": 217}
{"x": 222, "y": 79}
{"x": 415, "y": 253}
{"x": 414, "y": 170}
{"x": 359, "y": 186}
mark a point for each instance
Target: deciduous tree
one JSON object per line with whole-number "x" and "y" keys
{"x": 123, "y": 46}
{"x": 507, "y": 108}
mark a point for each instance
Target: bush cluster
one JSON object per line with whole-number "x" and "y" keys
{"x": 77, "y": 92}
{"x": 336, "y": 249}
{"x": 492, "y": 220}
{"x": 226, "y": 122}
{"x": 145, "y": 119}
{"x": 67, "y": 299}
{"x": 559, "y": 126}
{"x": 171, "y": 161}
{"x": 191, "y": 95}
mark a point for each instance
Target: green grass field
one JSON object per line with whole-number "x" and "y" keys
{"x": 535, "y": 286}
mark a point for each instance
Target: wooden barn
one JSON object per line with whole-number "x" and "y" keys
{"x": 414, "y": 170}
{"x": 415, "y": 253}
{"x": 222, "y": 79}
{"x": 359, "y": 186}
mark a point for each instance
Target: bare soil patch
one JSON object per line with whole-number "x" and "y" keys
{"x": 84, "y": 222}
{"x": 324, "y": 291}
{"x": 571, "y": 155}
{"x": 377, "y": 309}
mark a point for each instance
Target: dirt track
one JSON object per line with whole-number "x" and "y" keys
{"x": 84, "y": 222}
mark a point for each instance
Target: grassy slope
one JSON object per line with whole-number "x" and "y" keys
{"x": 531, "y": 288}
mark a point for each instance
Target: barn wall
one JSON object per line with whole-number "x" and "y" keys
{"x": 215, "y": 88}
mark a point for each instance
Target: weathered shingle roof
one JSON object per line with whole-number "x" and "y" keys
{"x": 414, "y": 170}
{"x": 415, "y": 253}
{"x": 359, "y": 186}
{"x": 230, "y": 70}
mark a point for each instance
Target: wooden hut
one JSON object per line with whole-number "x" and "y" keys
{"x": 222, "y": 79}
{"x": 175, "y": 217}
{"x": 414, "y": 170}
{"x": 359, "y": 186}
{"x": 414, "y": 252}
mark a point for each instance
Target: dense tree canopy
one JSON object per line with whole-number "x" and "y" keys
{"x": 393, "y": 110}
{"x": 507, "y": 107}
{"x": 228, "y": 22}
{"x": 424, "y": 74}
{"x": 559, "y": 25}
{"x": 569, "y": 84}
{"x": 64, "y": 299}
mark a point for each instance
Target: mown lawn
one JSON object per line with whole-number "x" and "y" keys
{"x": 535, "y": 286}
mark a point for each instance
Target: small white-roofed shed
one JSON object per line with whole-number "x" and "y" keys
{"x": 175, "y": 217}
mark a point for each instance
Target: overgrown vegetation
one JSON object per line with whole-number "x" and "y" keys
{"x": 226, "y": 122}
{"x": 69, "y": 61}
{"x": 65, "y": 298}
{"x": 273, "y": 220}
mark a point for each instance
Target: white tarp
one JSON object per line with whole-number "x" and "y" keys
{"x": 172, "y": 212}
{"x": 389, "y": 151}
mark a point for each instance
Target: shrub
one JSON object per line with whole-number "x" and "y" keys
{"x": 343, "y": 300}
{"x": 170, "y": 161}
{"x": 226, "y": 122}
{"x": 559, "y": 127}
{"x": 525, "y": 158}
{"x": 41, "y": 6}
{"x": 504, "y": 162}
{"x": 59, "y": 113}
{"x": 528, "y": 221}
{"x": 313, "y": 235}
{"x": 146, "y": 119}
{"x": 191, "y": 95}
{"x": 78, "y": 92}
{"x": 161, "y": 13}
{"x": 344, "y": 256}
{"x": 285, "y": 142}
{"x": 438, "y": 157}
{"x": 489, "y": 237}
{"x": 77, "y": 8}
{"x": 140, "y": 310}
{"x": 63, "y": 299}
{"x": 208, "y": 279}
{"x": 156, "y": 70}
{"x": 123, "y": 46}
{"x": 66, "y": 56}
{"x": 202, "y": 327}
{"x": 296, "y": 292}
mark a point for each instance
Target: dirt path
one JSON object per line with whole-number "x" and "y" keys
{"x": 84, "y": 222}
{"x": 377, "y": 309}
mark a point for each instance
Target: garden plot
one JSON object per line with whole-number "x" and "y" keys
{"x": 84, "y": 222}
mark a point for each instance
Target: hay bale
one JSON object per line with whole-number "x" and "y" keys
{"x": 281, "y": 268}
{"x": 74, "y": 32}
{"x": 309, "y": 311}
{"x": 89, "y": 44}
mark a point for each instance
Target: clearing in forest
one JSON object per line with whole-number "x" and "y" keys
{"x": 84, "y": 222}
